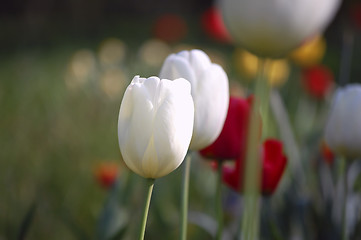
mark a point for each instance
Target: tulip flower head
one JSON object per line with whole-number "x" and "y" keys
{"x": 210, "y": 92}
{"x": 273, "y": 166}
{"x": 343, "y": 128}
{"x": 231, "y": 143}
{"x": 155, "y": 125}
{"x": 273, "y": 28}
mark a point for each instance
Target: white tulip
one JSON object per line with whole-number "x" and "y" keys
{"x": 271, "y": 28}
{"x": 343, "y": 129}
{"x": 210, "y": 92}
{"x": 155, "y": 125}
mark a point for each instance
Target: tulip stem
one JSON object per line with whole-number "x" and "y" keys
{"x": 185, "y": 192}
{"x": 346, "y": 55}
{"x": 345, "y": 185}
{"x": 150, "y": 185}
{"x": 219, "y": 208}
{"x": 250, "y": 217}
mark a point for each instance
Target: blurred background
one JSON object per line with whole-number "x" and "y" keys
{"x": 64, "y": 66}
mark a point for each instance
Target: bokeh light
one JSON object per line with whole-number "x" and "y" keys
{"x": 80, "y": 69}
{"x": 112, "y": 51}
{"x": 113, "y": 83}
{"x": 170, "y": 28}
{"x": 153, "y": 52}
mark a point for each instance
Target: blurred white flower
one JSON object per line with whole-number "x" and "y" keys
{"x": 343, "y": 129}
{"x": 210, "y": 92}
{"x": 272, "y": 28}
{"x": 155, "y": 125}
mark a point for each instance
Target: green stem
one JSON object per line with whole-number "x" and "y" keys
{"x": 346, "y": 55}
{"x": 150, "y": 185}
{"x": 219, "y": 208}
{"x": 250, "y": 218}
{"x": 345, "y": 185}
{"x": 185, "y": 192}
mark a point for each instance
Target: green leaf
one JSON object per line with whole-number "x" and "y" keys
{"x": 113, "y": 218}
{"x": 26, "y": 223}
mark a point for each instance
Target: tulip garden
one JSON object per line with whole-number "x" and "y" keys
{"x": 246, "y": 125}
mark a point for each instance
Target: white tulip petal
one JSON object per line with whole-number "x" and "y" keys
{"x": 343, "y": 129}
{"x": 175, "y": 67}
{"x": 272, "y": 28}
{"x": 174, "y": 127}
{"x": 210, "y": 106}
{"x": 151, "y": 114}
{"x": 199, "y": 61}
{"x": 209, "y": 91}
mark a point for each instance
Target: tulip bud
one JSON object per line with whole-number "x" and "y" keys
{"x": 273, "y": 28}
{"x": 343, "y": 128}
{"x": 231, "y": 143}
{"x": 209, "y": 91}
{"x": 155, "y": 125}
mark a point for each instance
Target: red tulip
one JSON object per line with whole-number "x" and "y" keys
{"x": 273, "y": 165}
{"x": 106, "y": 174}
{"x": 231, "y": 142}
{"x": 317, "y": 81}
{"x": 213, "y": 25}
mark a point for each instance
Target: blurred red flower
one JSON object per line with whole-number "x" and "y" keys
{"x": 318, "y": 81}
{"x": 356, "y": 14}
{"x": 170, "y": 28}
{"x": 231, "y": 143}
{"x": 327, "y": 154}
{"x": 273, "y": 166}
{"x": 213, "y": 25}
{"x": 106, "y": 174}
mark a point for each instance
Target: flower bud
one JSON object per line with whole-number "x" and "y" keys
{"x": 209, "y": 91}
{"x": 343, "y": 128}
{"x": 155, "y": 125}
{"x": 273, "y": 28}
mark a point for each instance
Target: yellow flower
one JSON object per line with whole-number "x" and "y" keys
{"x": 310, "y": 53}
{"x": 277, "y": 71}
